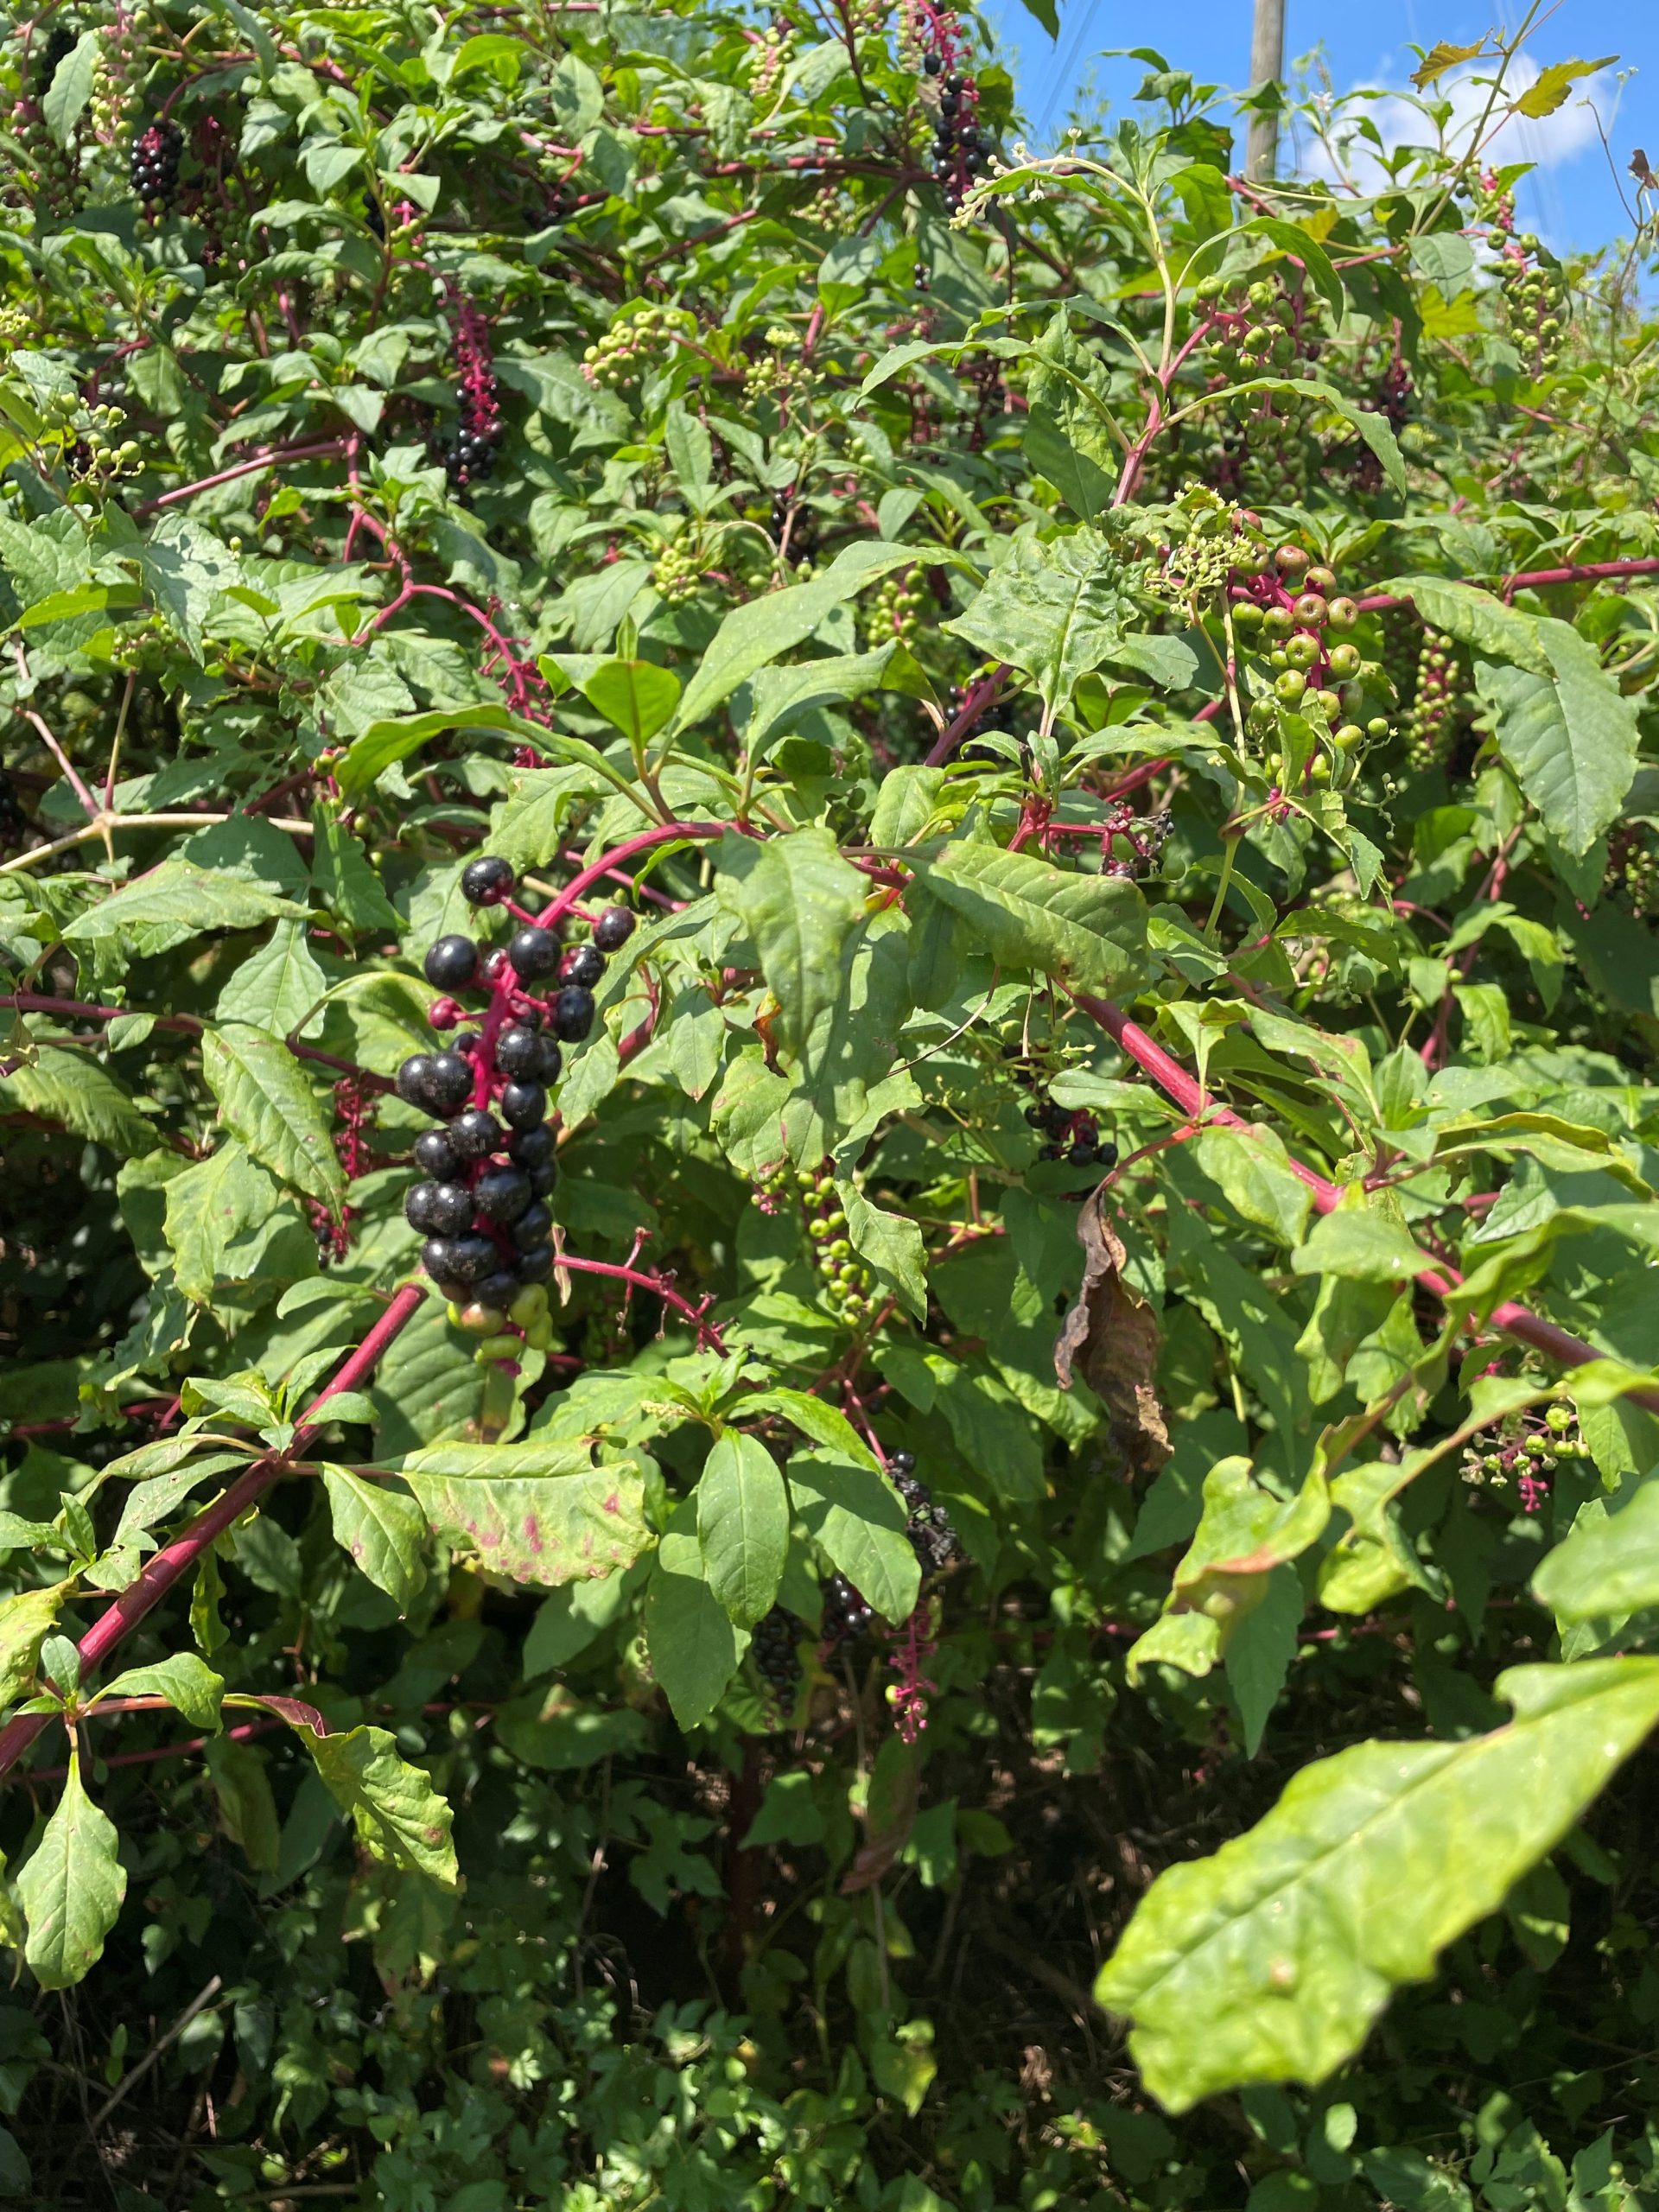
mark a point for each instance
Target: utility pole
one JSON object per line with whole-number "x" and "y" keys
{"x": 1266, "y": 65}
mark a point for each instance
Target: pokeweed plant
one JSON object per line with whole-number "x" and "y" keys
{"x": 829, "y": 971}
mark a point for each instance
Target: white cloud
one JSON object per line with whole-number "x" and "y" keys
{"x": 1547, "y": 140}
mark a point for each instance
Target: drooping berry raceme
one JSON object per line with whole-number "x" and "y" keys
{"x": 1432, "y": 725}
{"x": 470, "y": 457}
{"x": 153, "y": 165}
{"x": 846, "y": 1616}
{"x": 932, "y": 1538}
{"x": 776, "y": 1652}
{"x": 1523, "y": 1455}
{"x": 480, "y": 1204}
{"x": 1072, "y": 1137}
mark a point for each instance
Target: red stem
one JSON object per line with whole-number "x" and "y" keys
{"x": 320, "y": 450}
{"x": 596, "y": 871}
{"x": 175, "y": 1560}
{"x": 1517, "y": 1321}
{"x": 705, "y": 1329}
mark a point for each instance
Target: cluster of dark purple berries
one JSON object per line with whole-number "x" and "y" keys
{"x": 56, "y": 51}
{"x": 153, "y": 165}
{"x": 470, "y": 456}
{"x": 959, "y": 152}
{"x": 776, "y": 1650}
{"x": 804, "y": 535}
{"x": 932, "y": 1539}
{"x": 846, "y": 1616}
{"x": 486, "y": 1174}
{"x": 1073, "y": 1137}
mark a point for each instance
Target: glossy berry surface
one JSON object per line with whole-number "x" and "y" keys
{"x": 451, "y": 964}
{"x": 486, "y": 882}
{"x": 414, "y": 1081}
{"x": 474, "y": 1133}
{"x": 435, "y": 1156}
{"x": 502, "y": 1194}
{"x": 537, "y": 1266}
{"x": 584, "y": 966}
{"x": 533, "y": 1227}
{"x": 534, "y": 955}
{"x": 518, "y": 1053}
{"x": 449, "y": 1081}
{"x": 531, "y": 1148}
{"x": 573, "y": 1013}
{"x": 612, "y": 929}
{"x": 524, "y": 1105}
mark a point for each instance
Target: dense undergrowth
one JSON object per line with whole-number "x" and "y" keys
{"x": 912, "y": 1468}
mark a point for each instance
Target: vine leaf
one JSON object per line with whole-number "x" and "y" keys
{"x": 25, "y": 1622}
{"x": 1269, "y": 1962}
{"x": 1088, "y": 932}
{"x": 694, "y": 1646}
{"x": 384, "y": 1532}
{"x": 174, "y": 902}
{"x": 1569, "y": 734}
{"x": 800, "y": 902}
{"x": 68, "y": 1087}
{"x": 187, "y": 1683}
{"x": 397, "y": 1814}
{"x": 1110, "y": 1340}
{"x": 269, "y": 1105}
{"x": 742, "y": 1525}
{"x": 541, "y": 1530}
{"x": 71, "y": 1887}
{"x": 1608, "y": 1566}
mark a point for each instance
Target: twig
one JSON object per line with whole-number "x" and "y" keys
{"x": 131, "y": 2081}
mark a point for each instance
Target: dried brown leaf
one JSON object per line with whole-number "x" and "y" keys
{"x": 1110, "y": 1340}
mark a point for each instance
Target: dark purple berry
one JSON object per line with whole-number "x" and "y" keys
{"x": 518, "y": 1053}
{"x": 531, "y": 1148}
{"x": 451, "y": 964}
{"x": 533, "y": 1227}
{"x": 573, "y": 1013}
{"x": 584, "y": 966}
{"x": 475, "y": 1133}
{"x": 543, "y": 1180}
{"x": 502, "y": 1194}
{"x": 449, "y": 1081}
{"x": 537, "y": 1266}
{"x": 524, "y": 1105}
{"x": 414, "y": 1082}
{"x": 612, "y": 929}
{"x": 485, "y": 881}
{"x": 435, "y": 1156}
{"x": 498, "y": 1289}
{"x": 534, "y": 955}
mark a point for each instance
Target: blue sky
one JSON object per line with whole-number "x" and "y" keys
{"x": 1573, "y": 199}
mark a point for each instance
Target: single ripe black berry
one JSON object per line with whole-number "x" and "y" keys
{"x": 573, "y": 1013}
{"x": 584, "y": 966}
{"x": 498, "y": 1289}
{"x": 438, "y": 1258}
{"x": 1106, "y": 1155}
{"x": 502, "y": 1194}
{"x": 534, "y": 954}
{"x": 902, "y": 1463}
{"x": 485, "y": 881}
{"x": 537, "y": 1266}
{"x": 552, "y": 1061}
{"x": 435, "y": 1156}
{"x": 472, "y": 1258}
{"x": 524, "y": 1105}
{"x": 542, "y": 1180}
{"x": 439, "y": 1208}
{"x": 518, "y": 1053}
{"x": 1037, "y": 1116}
{"x": 531, "y": 1148}
{"x": 414, "y": 1080}
{"x": 451, "y": 964}
{"x": 533, "y": 1227}
{"x": 449, "y": 1081}
{"x": 612, "y": 929}
{"x": 934, "y": 63}
{"x": 475, "y": 1133}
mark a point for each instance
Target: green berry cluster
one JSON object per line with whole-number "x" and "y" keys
{"x": 1293, "y": 633}
{"x": 676, "y": 574}
{"x": 1260, "y": 330}
{"x": 772, "y": 53}
{"x": 893, "y": 608}
{"x": 1431, "y": 724}
{"x": 635, "y": 343}
{"x": 1633, "y": 866}
{"x": 120, "y": 63}
{"x": 1534, "y": 298}
{"x": 1523, "y": 1454}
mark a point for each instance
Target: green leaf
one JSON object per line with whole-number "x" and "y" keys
{"x": 25, "y": 1622}
{"x": 635, "y": 696}
{"x": 752, "y": 636}
{"x": 346, "y": 885}
{"x": 1570, "y": 735}
{"x": 858, "y": 1519}
{"x": 219, "y": 1214}
{"x": 1070, "y": 426}
{"x": 1476, "y": 619}
{"x": 174, "y": 902}
{"x": 277, "y": 987}
{"x": 72, "y": 1089}
{"x": 269, "y": 1105}
{"x": 742, "y": 1525}
{"x": 544, "y": 1529}
{"x": 890, "y": 1244}
{"x": 1608, "y": 1565}
{"x": 397, "y": 1814}
{"x": 694, "y": 1647}
{"x": 183, "y": 1680}
{"x": 383, "y": 1531}
{"x": 71, "y": 1887}
{"x": 800, "y": 902}
{"x": 1253, "y": 1167}
{"x": 1088, "y": 932}
{"x": 816, "y": 1418}
{"x": 1054, "y": 608}
{"x": 1552, "y": 84}
{"x": 1269, "y": 1962}
{"x": 1362, "y": 1244}
{"x": 72, "y": 87}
